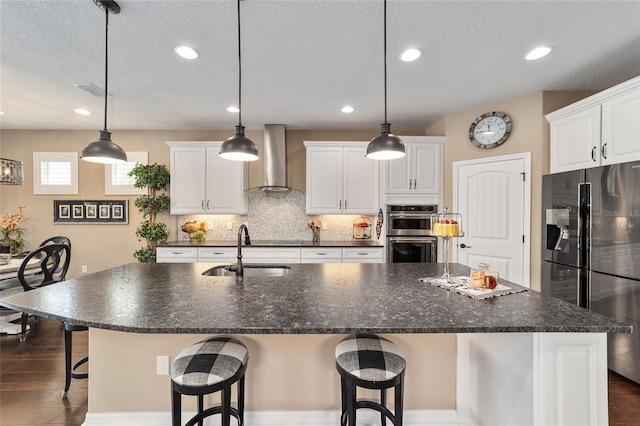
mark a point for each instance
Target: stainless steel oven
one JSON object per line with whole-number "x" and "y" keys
{"x": 409, "y": 237}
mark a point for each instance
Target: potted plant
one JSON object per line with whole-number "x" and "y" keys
{"x": 154, "y": 177}
{"x": 11, "y": 234}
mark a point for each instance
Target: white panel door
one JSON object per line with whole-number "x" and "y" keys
{"x": 188, "y": 168}
{"x": 324, "y": 180}
{"x": 575, "y": 141}
{"x": 226, "y": 182}
{"x": 621, "y": 129}
{"x": 490, "y": 198}
{"x": 427, "y": 161}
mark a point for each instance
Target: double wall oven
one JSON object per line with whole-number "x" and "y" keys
{"x": 409, "y": 237}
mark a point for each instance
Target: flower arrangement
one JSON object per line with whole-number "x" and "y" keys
{"x": 315, "y": 228}
{"x": 11, "y": 234}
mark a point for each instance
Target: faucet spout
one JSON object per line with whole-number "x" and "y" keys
{"x": 239, "y": 268}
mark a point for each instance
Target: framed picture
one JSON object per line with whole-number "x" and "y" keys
{"x": 116, "y": 212}
{"x": 104, "y": 211}
{"x": 78, "y": 212}
{"x": 64, "y": 211}
{"x": 91, "y": 211}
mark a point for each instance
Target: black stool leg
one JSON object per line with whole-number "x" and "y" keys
{"x": 226, "y": 406}
{"x": 241, "y": 400}
{"x": 383, "y": 402}
{"x": 67, "y": 362}
{"x": 351, "y": 403}
{"x": 200, "y": 407}
{"x": 23, "y": 323}
{"x": 176, "y": 407}
{"x": 399, "y": 391}
{"x": 343, "y": 397}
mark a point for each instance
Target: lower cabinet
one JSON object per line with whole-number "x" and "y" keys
{"x": 176, "y": 254}
{"x": 269, "y": 255}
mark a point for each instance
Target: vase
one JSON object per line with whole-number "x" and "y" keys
{"x": 5, "y": 249}
{"x": 316, "y": 235}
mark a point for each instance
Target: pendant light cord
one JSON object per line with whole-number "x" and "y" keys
{"x": 239, "y": 71}
{"x": 106, "y": 66}
{"x": 385, "y": 61}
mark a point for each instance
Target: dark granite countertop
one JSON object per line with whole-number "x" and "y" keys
{"x": 311, "y": 299}
{"x": 277, "y": 243}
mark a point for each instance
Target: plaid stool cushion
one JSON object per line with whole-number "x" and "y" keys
{"x": 370, "y": 357}
{"x": 209, "y": 362}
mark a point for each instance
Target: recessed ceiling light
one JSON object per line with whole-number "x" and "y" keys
{"x": 411, "y": 54}
{"x": 186, "y": 52}
{"x": 347, "y": 109}
{"x": 81, "y": 111}
{"x": 233, "y": 109}
{"x": 538, "y": 53}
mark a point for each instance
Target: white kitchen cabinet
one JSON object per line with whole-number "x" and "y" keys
{"x": 419, "y": 172}
{"x": 340, "y": 179}
{"x": 362, "y": 255}
{"x": 321, "y": 255}
{"x": 176, "y": 254}
{"x": 270, "y": 255}
{"x": 217, "y": 254}
{"x": 202, "y": 182}
{"x": 599, "y": 130}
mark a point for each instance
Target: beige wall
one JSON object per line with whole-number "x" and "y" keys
{"x": 530, "y": 133}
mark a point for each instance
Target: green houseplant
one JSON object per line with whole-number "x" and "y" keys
{"x": 154, "y": 177}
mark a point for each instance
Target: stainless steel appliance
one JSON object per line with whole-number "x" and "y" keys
{"x": 409, "y": 237}
{"x": 591, "y": 250}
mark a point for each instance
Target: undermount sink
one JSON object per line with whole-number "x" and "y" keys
{"x": 249, "y": 271}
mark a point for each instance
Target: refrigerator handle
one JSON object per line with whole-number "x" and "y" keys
{"x": 584, "y": 224}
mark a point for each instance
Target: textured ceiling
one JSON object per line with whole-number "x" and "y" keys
{"x": 302, "y": 60}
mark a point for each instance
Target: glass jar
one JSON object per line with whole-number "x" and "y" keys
{"x": 482, "y": 277}
{"x": 362, "y": 228}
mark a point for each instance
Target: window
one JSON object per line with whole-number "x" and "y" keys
{"x": 116, "y": 176}
{"x": 55, "y": 172}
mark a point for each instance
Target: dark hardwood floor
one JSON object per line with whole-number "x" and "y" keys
{"x": 32, "y": 379}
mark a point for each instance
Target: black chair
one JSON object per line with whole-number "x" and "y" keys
{"x": 54, "y": 260}
{"x": 56, "y": 240}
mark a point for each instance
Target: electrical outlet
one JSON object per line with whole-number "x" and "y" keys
{"x": 210, "y": 226}
{"x": 84, "y": 269}
{"x": 230, "y": 225}
{"x": 325, "y": 226}
{"x": 162, "y": 366}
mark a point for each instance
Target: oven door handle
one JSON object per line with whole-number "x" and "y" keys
{"x": 430, "y": 240}
{"x": 410, "y": 215}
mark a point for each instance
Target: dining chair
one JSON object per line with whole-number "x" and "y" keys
{"x": 54, "y": 260}
{"x": 56, "y": 240}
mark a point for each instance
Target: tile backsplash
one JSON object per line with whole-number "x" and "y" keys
{"x": 275, "y": 216}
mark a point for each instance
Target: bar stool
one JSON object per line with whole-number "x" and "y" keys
{"x": 70, "y": 372}
{"x": 370, "y": 362}
{"x": 206, "y": 367}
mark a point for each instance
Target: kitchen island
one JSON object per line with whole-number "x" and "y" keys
{"x": 517, "y": 359}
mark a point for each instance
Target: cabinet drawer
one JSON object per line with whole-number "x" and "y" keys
{"x": 359, "y": 255}
{"x": 217, "y": 254}
{"x": 320, "y": 255}
{"x": 270, "y": 255}
{"x": 176, "y": 254}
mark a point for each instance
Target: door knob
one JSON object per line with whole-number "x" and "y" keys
{"x": 463, "y": 245}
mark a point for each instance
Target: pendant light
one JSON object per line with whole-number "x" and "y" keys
{"x": 385, "y": 146}
{"x": 239, "y": 147}
{"x": 103, "y": 150}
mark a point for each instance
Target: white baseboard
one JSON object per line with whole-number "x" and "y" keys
{"x": 273, "y": 418}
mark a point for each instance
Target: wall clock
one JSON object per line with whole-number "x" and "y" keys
{"x": 490, "y": 130}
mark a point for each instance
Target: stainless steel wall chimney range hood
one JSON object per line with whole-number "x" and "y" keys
{"x": 275, "y": 158}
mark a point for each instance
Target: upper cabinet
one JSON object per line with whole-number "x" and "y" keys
{"x": 418, "y": 175}
{"x": 340, "y": 179}
{"x": 203, "y": 183}
{"x": 599, "y": 130}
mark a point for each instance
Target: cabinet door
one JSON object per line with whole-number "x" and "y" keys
{"x": 176, "y": 255}
{"x": 324, "y": 180}
{"x": 226, "y": 182}
{"x": 361, "y": 255}
{"x": 425, "y": 166}
{"x": 217, "y": 254}
{"x": 621, "y": 129}
{"x": 399, "y": 174}
{"x": 360, "y": 182}
{"x": 575, "y": 141}
{"x": 321, "y": 255}
{"x": 188, "y": 168}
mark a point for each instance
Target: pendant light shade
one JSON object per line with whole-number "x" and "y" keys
{"x": 239, "y": 147}
{"x": 104, "y": 150}
{"x": 385, "y": 146}
{"x": 11, "y": 172}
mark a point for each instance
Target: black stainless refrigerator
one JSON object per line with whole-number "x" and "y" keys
{"x": 591, "y": 250}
